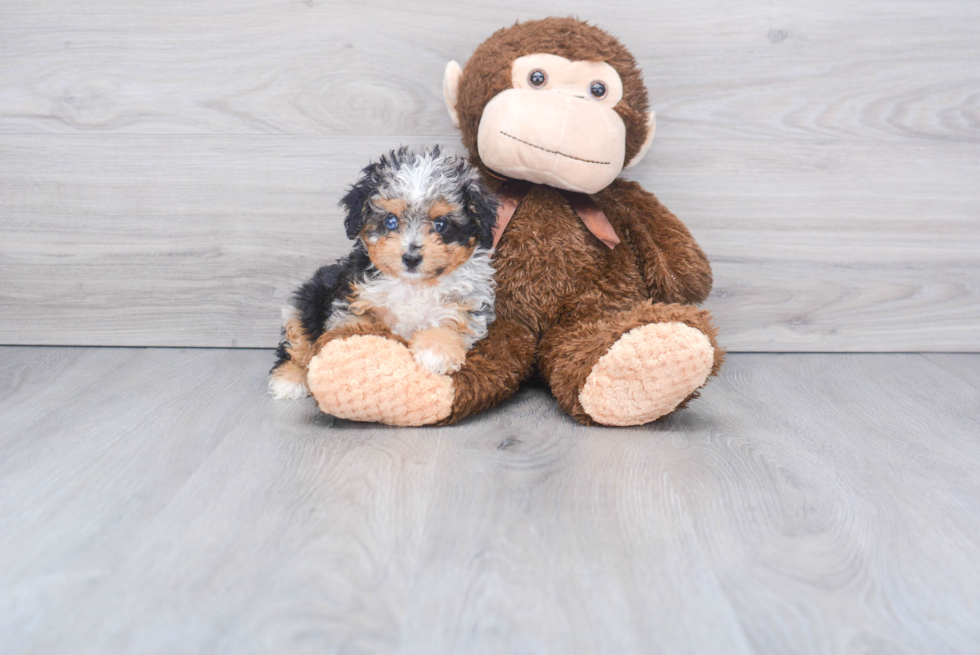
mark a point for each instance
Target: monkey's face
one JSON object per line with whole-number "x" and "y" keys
{"x": 557, "y": 125}
{"x": 554, "y": 101}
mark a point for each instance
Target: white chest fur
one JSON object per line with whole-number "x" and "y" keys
{"x": 408, "y": 307}
{"x": 463, "y": 298}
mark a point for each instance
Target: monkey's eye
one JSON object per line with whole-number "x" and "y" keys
{"x": 391, "y": 221}
{"x": 537, "y": 78}
{"x": 439, "y": 225}
{"x": 598, "y": 90}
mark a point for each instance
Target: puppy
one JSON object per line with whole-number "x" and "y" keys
{"x": 419, "y": 271}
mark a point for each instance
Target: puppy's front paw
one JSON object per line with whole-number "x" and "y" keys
{"x": 440, "y": 363}
{"x": 438, "y": 351}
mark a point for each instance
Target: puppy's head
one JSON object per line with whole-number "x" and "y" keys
{"x": 420, "y": 214}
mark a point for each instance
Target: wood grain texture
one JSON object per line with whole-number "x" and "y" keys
{"x": 181, "y": 241}
{"x": 804, "y": 69}
{"x": 157, "y": 501}
{"x": 169, "y": 171}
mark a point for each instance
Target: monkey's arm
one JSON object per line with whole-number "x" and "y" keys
{"x": 493, "y": 370}
{"x": 373, "y": 378}
{"x": 673, "y": 266}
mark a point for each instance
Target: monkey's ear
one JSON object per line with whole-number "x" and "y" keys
{"x": 355, "y": 200}
{"x": 450, "y": 85}
{"x": 651, "y": 129}
{"x": 480, "y": 205}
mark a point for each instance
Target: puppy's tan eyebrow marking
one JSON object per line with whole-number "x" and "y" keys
{"x": 396, "y": 206}
{"x": 441, "y": 208}
{"x": 368, "y": 234}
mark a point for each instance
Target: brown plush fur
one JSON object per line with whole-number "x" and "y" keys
{"x": 563, "y": 297}
{"x": 488, "y": 72}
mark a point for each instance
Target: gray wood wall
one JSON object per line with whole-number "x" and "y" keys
{"x": 169, "y": 171}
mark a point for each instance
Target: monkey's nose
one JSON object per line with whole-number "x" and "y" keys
{"x": 411, "y": 260}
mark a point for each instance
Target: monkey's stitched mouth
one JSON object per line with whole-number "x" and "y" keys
{"x": 554, "y": 152}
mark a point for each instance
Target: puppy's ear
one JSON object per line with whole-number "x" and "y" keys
{"x": 480, "y": 206}
{"x": 355, "y": 200}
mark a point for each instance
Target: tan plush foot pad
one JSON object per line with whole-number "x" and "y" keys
{"x": 370, "y": 378}
{"x": 646, "y": 374}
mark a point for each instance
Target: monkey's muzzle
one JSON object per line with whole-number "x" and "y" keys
{"x": 566, "y": 141}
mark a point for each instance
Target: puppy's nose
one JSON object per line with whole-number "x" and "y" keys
{"x": 411, "y": 260}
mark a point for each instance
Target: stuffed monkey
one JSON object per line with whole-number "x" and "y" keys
{"x": 596, "y": 280}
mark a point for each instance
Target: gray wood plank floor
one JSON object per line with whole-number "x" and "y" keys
{"x": 156, "y": 501}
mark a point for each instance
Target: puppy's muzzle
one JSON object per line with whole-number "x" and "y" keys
{"x": 411, "y": 261}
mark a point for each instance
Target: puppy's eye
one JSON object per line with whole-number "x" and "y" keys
{"x": 391, "y": 221}
{"x": 537, "y": 78}
{"x": 439, "y": 225}
{"x": 598, "y": 90}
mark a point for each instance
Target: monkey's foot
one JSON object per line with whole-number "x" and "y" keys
{"x": 647, "y": 373}
{"x": 371, "y": 378}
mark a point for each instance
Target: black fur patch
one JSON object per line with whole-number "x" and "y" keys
{"x": 480, "y": 206}
{"x": 315, "y": 298}
{"x": 281, "y": 355}
{"x": 355, "y": 200}
{"x": 461, "y": 233}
